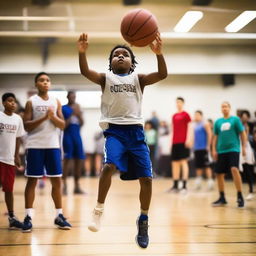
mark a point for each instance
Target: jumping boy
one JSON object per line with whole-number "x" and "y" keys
{"x": 122, "y": 123}
{"x": 11, "y": 129}
{"x": 42, "y": 120}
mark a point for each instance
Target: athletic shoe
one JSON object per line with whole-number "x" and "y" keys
{"x": 250, "y": 196}
{"x": 27, "y": 224}
{"x": 142, "y": 238}
{"x": 61, "y": 222}
{"x": 210, "y": 184}
{"x": 172, "y": 190}
{"x": 240, "y": 202}
{"x": 79, "y": 191}
{"x": 220, "y": 202}
{"x": 14, "y": 223}
{"x": 183, "y": 191}
{"x": 198, "y": 182}
{"x": 96, "y": 220}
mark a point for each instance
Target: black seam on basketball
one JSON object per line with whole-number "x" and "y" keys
{"x": 141, "y": 25}
{"x": 127, "y": 32}
{"x": 145, "y": 36}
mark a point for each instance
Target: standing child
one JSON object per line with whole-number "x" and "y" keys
{"x": 72, "y": 142}
{"x": 122, "y": 123}
{"x": 42, "y": 119}
{"x": 202, "y": 142}
{"x": 11, "y": 129}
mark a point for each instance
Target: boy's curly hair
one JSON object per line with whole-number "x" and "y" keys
{"x": 134, "y": 62}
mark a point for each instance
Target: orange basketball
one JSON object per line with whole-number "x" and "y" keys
{"x": 139, "y": 27}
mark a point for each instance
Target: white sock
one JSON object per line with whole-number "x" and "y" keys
{"x": 58, "y": 212}
{"x": 29, "y": 212}
{"x": 144, "y": 212}
{"x": 99, "y": 207}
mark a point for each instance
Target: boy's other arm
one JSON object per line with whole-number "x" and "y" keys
{"x": 98, "y": 78}
{"x": 162, "y": 73}
{"x": 30, "y": 124}
{"x": 57, "y": 120}
{"x": 17, "y": 155}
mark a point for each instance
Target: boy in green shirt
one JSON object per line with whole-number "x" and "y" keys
{"x": 226, "y": 151}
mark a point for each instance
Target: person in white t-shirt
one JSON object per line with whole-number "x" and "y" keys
{"x": 11, "y": 130}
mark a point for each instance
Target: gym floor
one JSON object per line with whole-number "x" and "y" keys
{"x": 179, "y": 224}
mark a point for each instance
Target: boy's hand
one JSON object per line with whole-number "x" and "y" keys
{"x": 82, "y": 43}
{"x": 17, "y": 161}
{"x": 50, "y": 113}
{"x": 156, "y": 46}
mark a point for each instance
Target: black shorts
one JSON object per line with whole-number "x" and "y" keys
{"x": 179, "y": 152}
{"x": 201, "y": 158}
{"x": 226, "y": 161}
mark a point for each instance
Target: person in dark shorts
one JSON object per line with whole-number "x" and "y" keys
{"x": 181, "y": 142}
{"x": 202, "y": 143}
{"x": 226, "y": 151}
{"x": 72, "y": 142}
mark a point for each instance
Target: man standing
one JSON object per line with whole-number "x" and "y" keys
{"x": 181, "y": 142}
{"x": 226, "y": 150}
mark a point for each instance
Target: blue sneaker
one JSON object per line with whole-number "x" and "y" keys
{"x": 14, "y": 223}
{"x": 61, "y": 222}
{"x": 27, "y": 224}
{"x": 142, "y": 238}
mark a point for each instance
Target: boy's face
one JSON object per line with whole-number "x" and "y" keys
{"x": 10, "y": 104}
{"x": 198, "y": 117}
{"x": 121, "y": 61}
{"x": 43, "y": 83}
{"x": 245, "y": 118}
{"x": 71, "y": 97}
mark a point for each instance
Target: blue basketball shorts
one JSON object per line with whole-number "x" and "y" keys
{"x": 73, "y": 146}
{"x": 43, "y": 162}
{"x": 125, "y": 147}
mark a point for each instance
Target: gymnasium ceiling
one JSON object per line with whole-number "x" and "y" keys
{"x": 63, "y": 19}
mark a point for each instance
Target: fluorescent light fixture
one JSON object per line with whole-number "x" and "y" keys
{"x": 86, "y": 99}
{"x": 189, "y": 19}
{"x": 242, "y": 20}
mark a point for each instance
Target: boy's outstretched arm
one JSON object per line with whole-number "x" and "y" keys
{"x": 98, "y": 78}
{"x": 162, "y": 73}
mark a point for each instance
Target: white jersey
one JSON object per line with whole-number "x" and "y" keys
{"x": 11, "y": 127}
{"x": 121, "y": 100}
{"x": 46, "y": 135}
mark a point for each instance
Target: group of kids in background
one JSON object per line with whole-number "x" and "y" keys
{"x": 125, "y": 148}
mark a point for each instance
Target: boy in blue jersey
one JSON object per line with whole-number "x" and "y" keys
{"x": 122, "y": 123}
{"x": 226, "y": 151}
{"x": 72, "y": 142}
{"x": 202, "y": 143}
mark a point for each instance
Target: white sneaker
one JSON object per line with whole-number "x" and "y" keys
{"x": 183, "y": 191}
{"x": 96, "y": 219}
{"x": 210, "y": 184}
{"x": 197, "y": 185}
{"x": 250, "y": 196}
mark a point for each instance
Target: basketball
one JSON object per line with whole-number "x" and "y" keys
{"x": 139, "y": 27}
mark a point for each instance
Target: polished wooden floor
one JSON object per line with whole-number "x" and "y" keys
{"x": 180, "y": 225}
